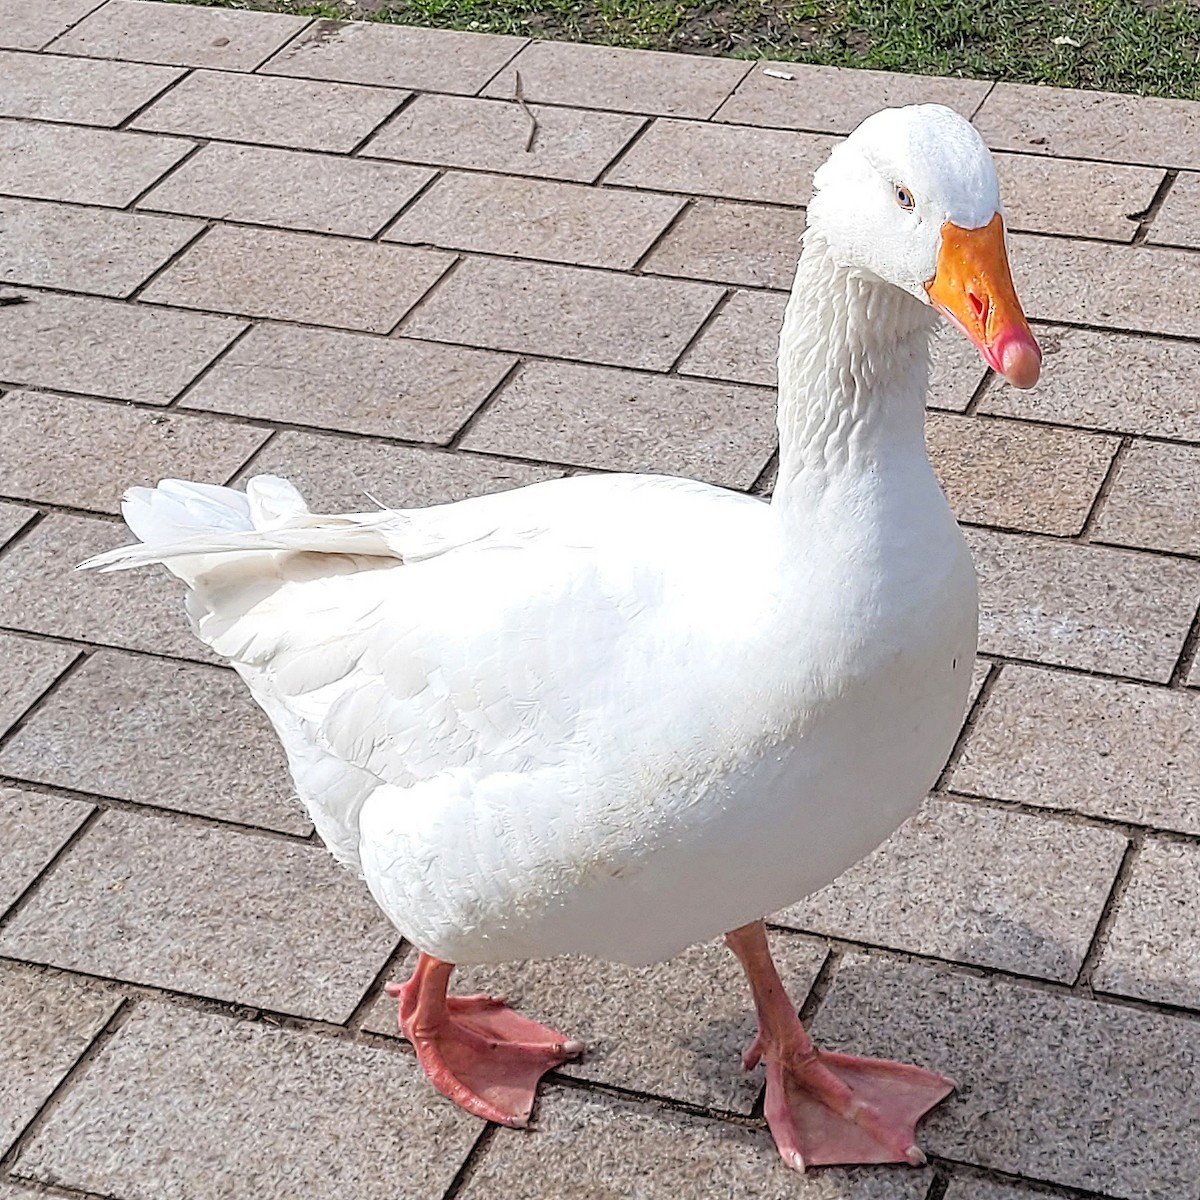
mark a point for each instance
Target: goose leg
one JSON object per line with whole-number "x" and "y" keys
{"x": 475, "y": 1049}
{"x": 825, "y": 1108}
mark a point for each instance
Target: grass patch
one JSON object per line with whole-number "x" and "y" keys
{"x": 1148, "y": 47}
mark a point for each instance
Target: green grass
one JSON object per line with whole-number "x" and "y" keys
{"x": 1150, "y": 47}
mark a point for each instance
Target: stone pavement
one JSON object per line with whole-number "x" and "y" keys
{"x": 256, "y": 242}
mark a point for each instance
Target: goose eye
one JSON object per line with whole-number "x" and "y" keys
{"x": 904, "y": 198}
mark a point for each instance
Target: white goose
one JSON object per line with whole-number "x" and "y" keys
{"x": 618, "y": 715}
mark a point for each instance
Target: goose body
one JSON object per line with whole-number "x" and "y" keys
{"x": 617, "y": 715}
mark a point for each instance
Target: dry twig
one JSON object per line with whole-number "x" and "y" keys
{"x": 519, "y": 97}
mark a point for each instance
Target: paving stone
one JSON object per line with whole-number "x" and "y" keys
{"x": 300, "y": 113}
{"x": 85, "y": 249}
{"x": 1099, "y": 125}
{"x": 41, "y": 592}
{"x": 974, "y": 885}
{"x": 46, "y": 1023}
{"x": 748, "y": 244}
{"x": 27, "y": 669}
{"x": 1083, "y": 606}
{"x": 156, "y": 902}
{"x": 36, "y": 827}
{"x": 169, "y": 1064}
{"x": 30, "y": 24}
{"x": 432, "y": 60}
{"x": 1151, "y": 289}
{"x": 85, "y": 91}
{"x": 742, "y": 342}
{"x": 630, "y": 422}
{"x": 1178, "y": 221}
{"x": 971, "y": 1188}
{"x": 180, "y": 35}
{"x": 1056, "y": 1087}
{"x": 674, "y": 1029}
{"x": 102, "y": 347}
{"x": 955, "y": 369}
{"x": 1015, "y": 475}
{"x": 491, "y": 135}
{"x": 1153, "y": 500}
{"x": 85, "y": 166}
{"x": 1110, "y": 381}
{"x": 836, "y": 99}
{"x": 85, "y": 453}
{"x": 1083, "y": 199}
{"x": 588, "y": 1144}
{"x": 1102, "y": 747}
{"x": 13, "y": 518}
{"x": 566, "y": 312}
{"x": 640, "y": 81}
{"x": 771, "y": 165}
{"x": 1153, "y": 948}
{"x": 300, "y": 277}
{"x": 337, "y": 474}
{"x": 559, "y": 222}
{"x": 172, "y": 735}
{"x": 389, "y": 386}
{"x": 324, "y": 193}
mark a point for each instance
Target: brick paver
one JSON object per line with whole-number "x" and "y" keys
{"x": 252, "y": 242}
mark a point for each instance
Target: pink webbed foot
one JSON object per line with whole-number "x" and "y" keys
{"x": 476, "y": 1050}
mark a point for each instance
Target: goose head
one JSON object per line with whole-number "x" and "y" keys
{"x": 911, "y": 198}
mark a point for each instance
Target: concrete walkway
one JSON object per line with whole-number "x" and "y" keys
{"x": 253, "y": 242}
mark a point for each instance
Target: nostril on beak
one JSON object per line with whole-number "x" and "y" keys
{"x": 979, "y": 305}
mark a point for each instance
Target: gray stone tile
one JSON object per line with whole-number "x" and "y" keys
{"x": 971, "y": 1188}
{"x": 30, "y": 24}
{"x": 1015, "y": 475}
{"x": 1178, "y": 221}
{"x": 639, "y": 81}
{"x": 300, "y": 113}
{"x": 771, "y": 165}
{"x": 46, "y": 1023}
{"x": 742, "y": 342}
{"x": 623, "y": 421}
{"x": 431, "y": 60}
{"x": 1101, "y": 747}
{"x": 956, "y": 370}
{"x": 338, "y": 474}
{"x": 27, "y": 669}
{"x": 180, "y": 34}
{"x": 1083, "y": 606}
{"x": 85, "y": 453}
{"x": 84, "y": 91}
{"x": 974, "y": 885}
{"x": 491, "y": 135}
{"x": 324, "y": 193}
{"x": 1099, "y": 125}
{"x": 40, "y": 591}
{"x": 1153, "y": 948}
{"x": 529, "y": 218}
{"x": 674, "y": 1029}
{"x": 85, "y": 249}
{"x": 346, "y": 283}
{"x": 1084, "y": 199}
{"x": 171, "y": 735}
{"x": 1149, "y": 289}
{"x": 565, "y": 312}
{"x": 13, "y": 518}
{"x": 168, "y": 1064}
{"x": 1040, "y": 1074}
{"x": 836, "y": 99}
{"x": 589, "y": 1144}
{"x": 35, "y": 829}
{"x": 127, "y": 352}
{"x": 750, "y": 244}
{"x": 156, "y": 902}
{"x": 1153, "y": 501}
{"x": 394, "y": 387}
{"x": 1152, "y": 390}
{"x": 85, "y": 166}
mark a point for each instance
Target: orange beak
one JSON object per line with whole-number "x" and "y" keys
{"x": 973, "y": 287}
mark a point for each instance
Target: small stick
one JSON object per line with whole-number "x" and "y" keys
{"x": 519, "y": 97}
{"x": 7, "y": 300}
